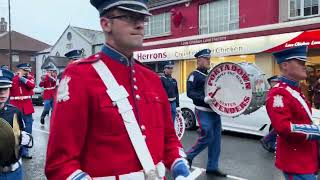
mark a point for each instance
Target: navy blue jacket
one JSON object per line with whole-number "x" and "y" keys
{"x": 171, "y": 87}
{"x": 8, "y": 113}
{"x": 195, "y": 87}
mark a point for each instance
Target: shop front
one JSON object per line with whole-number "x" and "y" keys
{"x": 257, "y": 50}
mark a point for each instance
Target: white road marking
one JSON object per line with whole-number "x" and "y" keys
{"x": 228, "y": 176}
{"x": 39, "y": 130}
{"x": 235, "y": 177}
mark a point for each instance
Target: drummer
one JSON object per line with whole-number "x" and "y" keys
{"x": 210, "y": 122}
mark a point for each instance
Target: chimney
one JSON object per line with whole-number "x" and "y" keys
{"x": 3, "y": 25}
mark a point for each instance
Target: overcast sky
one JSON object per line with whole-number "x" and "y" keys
{"x": 46, "y": 20}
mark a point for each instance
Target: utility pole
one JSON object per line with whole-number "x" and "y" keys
{"x": 10, "y": 40}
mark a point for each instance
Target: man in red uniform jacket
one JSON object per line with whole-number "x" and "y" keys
{"x": 21, "y": 92}
{"x": 290, "y": 114}
{"x": 49, "y": 83}
{"x": 88, "y": 134}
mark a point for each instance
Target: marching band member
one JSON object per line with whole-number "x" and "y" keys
{"x": 171, "y": 86}
{"x": 49, "y": 83}
{"x": 210, "y": 122}
{"x": 73, "y": 56}
{"x": 110, "y": 109}
{"x": 290, "y": 114}
{"x": 20, "y": 96}
{"x": 268, "y": 142}
{"x": 12, "y": 134}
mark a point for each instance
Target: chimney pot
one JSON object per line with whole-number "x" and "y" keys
{"x": 3, "y": 25}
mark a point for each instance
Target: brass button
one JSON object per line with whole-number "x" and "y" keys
{"x": 134, "y": 79}
{"x": 143, "y": 128}
{"x": 133, "y": 71}
{"x": 135, "y": 87}
{"x": 138, "y": 97}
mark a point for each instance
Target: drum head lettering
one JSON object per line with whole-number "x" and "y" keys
{"x": 179, "y": 125}
{"x": 230, "y": 86}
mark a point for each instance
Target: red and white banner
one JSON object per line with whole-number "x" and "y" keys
{"x": 310, "y": 38}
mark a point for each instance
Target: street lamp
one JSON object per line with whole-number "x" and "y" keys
{"x": 10, "y": 41}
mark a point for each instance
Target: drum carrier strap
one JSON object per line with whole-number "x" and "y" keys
{"x": 119, "y": 95}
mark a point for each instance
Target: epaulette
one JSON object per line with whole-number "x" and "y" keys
{"x": 90, "y": 59}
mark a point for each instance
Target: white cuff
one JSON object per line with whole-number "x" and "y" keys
{"x": 26, "y": 139}
{"x": 79, "y": 175}
{"x": 178, "y": 159}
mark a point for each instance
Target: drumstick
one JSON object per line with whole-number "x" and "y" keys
{"x": 215, "y": 92}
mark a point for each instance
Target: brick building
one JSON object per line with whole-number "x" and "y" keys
{"x": 23, "y": 47}
{"x": 235, "y": 31}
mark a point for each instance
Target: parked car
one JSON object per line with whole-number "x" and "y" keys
{"x": 256, "y": 123}
{"x": 37, "y": 97}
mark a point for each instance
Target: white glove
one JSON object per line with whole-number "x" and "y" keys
{"x": 26, "y": 139}
{"x": 182, "y": 178}
{"x": 208, "y": 100}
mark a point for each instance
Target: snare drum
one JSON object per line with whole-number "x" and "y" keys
{"x": 236, "y": 88}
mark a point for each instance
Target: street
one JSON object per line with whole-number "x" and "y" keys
{"x": 241, "y": 155}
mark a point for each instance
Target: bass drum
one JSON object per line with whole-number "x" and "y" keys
{"x": 236, "y": 88}
{"x": 179, "y": 125}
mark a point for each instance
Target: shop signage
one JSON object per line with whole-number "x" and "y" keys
{"x": 206, "y": 40}
{"x": 252, "y": 45}
{"x": 310, "y": 38}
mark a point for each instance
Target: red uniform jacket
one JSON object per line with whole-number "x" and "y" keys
{"x": 49, "y": 85}
{"x": 22, "y": 87}
{"x": 87, "y": 132}
{"x": 294, "y": 153}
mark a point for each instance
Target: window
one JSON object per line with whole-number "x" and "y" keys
{"x": 83, "y": 53}
{"x": 219, "y": 16}
{"x": 303, "y": 8}
{"x": 69, "y": 36}
{"x": 15, "y": 58}
{"x": 33, "y": 59}
{"x": 158, "y": 25}
{"x": 69, "y": 46}
{"x": 157, "y": 67}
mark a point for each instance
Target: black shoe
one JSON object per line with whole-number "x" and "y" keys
{"x": 189, "y": 162}
{"x": 266, "y": 146}
{"x": 216, "y": 173}
{"x": 42, "y": 121}
{"x": 26, "y": 157}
